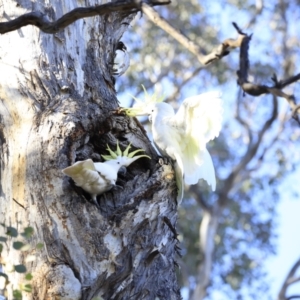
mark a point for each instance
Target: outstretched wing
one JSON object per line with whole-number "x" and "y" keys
{"x": 200, "y": 117}
{"x": 85, "y": 175}
{"x": 76, "y": 170}
{"x": 198, "y": 120}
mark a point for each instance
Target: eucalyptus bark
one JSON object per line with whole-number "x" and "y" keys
{"x": 207, "y": 233}
{"x": 58, "y": 105}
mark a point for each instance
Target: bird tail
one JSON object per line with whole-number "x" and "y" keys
{"x": 204, "y": 170}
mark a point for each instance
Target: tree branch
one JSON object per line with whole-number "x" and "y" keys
{"x": 199, "y": 198}
{"x": 250, "y": 153}
{"x": 288, "y": 281}
{"x": 257, "y": 90}
{"x": 269, "y": 146}
{"x": 41, "y": 21}
{"x": 293, "y": 297}
{"x": 186, "y": 78}
{"x": 242, "y": 121}
{"x": 205, "y": 59}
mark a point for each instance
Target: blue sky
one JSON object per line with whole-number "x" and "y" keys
{"x": 288, "y": 242}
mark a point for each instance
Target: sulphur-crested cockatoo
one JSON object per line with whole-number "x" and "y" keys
{"x": 183, "y": 136}
{"x": 97, "y": 177}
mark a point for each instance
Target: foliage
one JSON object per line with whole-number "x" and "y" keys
{"x": 11, "y": 233}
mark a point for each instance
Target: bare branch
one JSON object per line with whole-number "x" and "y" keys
{"x": 242, "y": 42}
{"x": 41, "y": 21}
{"x": 270, "y": 145}
{"x": 294, "y": 280}
{"x": 293, "y": 297}
{"x": 242, "y": 121}
{"x": 199, "y": 197}
{"x": 290, "y": 279}
{"x": 205, "y": 59}
{"x": 250, "y": 153}
{"x": 257, "y": 90}
{"x": 187, "y": 77}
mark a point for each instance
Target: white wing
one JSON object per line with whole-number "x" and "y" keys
{"x": 205, "y": 171}
{"x": 198, "y": 120}
{"x": 200, "y": 116}
{"x": 86, "y": 176}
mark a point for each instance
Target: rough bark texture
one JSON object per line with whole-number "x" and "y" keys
{"x": 57, "y": 106}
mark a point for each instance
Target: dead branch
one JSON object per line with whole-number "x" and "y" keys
{"x": 290, "y": 279}
{"x": 256, "y": 89}
{"x": 41, "y": 21}
{"x": 242, "y": 42}
{"x": 242, "y": 121}
{"x": 205, "y": 59}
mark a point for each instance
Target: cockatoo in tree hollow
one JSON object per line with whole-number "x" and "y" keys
{"x": 96, "y": 177}
{"x": 183, "y": 136}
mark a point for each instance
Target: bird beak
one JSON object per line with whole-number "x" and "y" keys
{"x": 122, "y": 170}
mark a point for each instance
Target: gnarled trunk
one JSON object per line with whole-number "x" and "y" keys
{"x": 58, "y": 106}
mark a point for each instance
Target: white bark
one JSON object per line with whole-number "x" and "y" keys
{"x": 207, "y": 232}
{"x": 57, "y": 101}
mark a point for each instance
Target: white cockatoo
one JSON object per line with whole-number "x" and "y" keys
{"x": 99, "y": 177}
{"x": 183, "y": 136}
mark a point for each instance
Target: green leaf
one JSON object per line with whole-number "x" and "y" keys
{"x": 27, "y": 288}
{"x": 39, "y": 246}
{"x": 3, "y": 239}
{"x": 18, "y": 245}
{"x": 17, "y": 295}
{"x": 11, "y": 231}
{"x": 28, "y": 232}
{"x": 1, "y": 248}
{"x": 20, "y": 268}
{"x": 28, "y": 276}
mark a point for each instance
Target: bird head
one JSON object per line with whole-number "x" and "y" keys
{"x": 124, "y": 158}
{"x": 144, "y": 108}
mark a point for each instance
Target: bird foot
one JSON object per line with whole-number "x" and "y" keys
{"x": 164, "y": 161}
{"x": 96, "y": 202}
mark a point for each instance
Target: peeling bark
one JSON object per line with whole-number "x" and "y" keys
{"x": 57, "y": 106}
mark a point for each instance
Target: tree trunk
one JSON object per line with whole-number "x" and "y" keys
{"x": 58, "y": 106}
{"x": 207, "y": 233}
